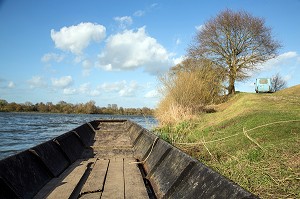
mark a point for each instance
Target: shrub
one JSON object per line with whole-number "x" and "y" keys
{"x": 187, "y": 90}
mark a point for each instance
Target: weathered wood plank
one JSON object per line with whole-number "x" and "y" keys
{"x": 114, "y": 184}
{"x": 96, "y": 195}
{"x": 64, "y": 185}
{"x": 96, "y": 178}
{"x": 134, "y": 184}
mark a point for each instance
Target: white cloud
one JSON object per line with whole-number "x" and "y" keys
{"x": 151, "y": 94}
{"x": 122, "y": 88}
{"x": 69, "y": 91}
{"x": 94, "y": 93}
{"x": 62, "y": 82}
{"x": 286, "y": 55}
{"x": 129, "y": 90}
{"x": 113, "y": 87}
{"x": 139, "y": 13}
{"x": 178, "y": 60}
{"x": 87, "y": 64}
{"x": 199, "y": 28}
{"x": 87, "y": 67}
{"x": 52, "y": 57}
{"x": 281, "y": 60}
{"x": 287, "y": 77}
{"x": 76, "y": 38}
{"x": 11, "y": 84}
{"x": 154, "y": 5}
{"x": 178, "y": 41}
{"x": 78, "y": 59}
{"x": 133, "y": 49}
{"x": 86, "y": 89}
{"x": 123, "y": 21}
{"x": 37, "y": 82}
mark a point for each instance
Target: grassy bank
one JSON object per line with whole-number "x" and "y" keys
{"x": 253, "y": 139}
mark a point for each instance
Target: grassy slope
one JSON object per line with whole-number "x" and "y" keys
{"x": 267, "y": 162}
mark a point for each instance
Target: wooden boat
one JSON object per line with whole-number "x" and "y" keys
{"x": 111, "y": 159}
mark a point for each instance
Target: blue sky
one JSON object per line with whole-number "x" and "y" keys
{"x": 112, "y": 51}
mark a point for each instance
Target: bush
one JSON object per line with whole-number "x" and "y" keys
{"x": 188, "y": 89}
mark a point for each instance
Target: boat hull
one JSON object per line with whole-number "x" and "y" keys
{"x": 111, "y": 159}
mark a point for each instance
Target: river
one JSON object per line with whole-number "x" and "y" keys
{"x": 20, "y": 131}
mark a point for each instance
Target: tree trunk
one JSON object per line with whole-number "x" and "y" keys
{"x": 231, "y": 87}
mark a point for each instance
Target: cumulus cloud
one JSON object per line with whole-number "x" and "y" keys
{"x": 129, "y": 90}
{"x": 178, "y": 60}
{"x": 122, "y": 88}
{"x": 11, "y": 84}
{"x": 84, "y": 89}
{"x": 151, "y": 94}
{"x": 132, "y": 49}
{"x": 113, "y": 87}
{"x": 76, "y": 38}
{"x": 281, "y": 60}
{"x": 69, "y": 91}
{"x": 87, "y": 67}
{"x": 62, "y": 82}
{"x": 52, "y": 57}
{"x": 94, "y": 93}
{"x": 37, "y": 82}
{"x": 123, "y": 21}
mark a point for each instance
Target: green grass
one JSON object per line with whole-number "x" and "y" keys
{"x": 265, "y": 160}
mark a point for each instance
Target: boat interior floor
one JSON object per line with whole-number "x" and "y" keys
{"x": 107, "y": 169}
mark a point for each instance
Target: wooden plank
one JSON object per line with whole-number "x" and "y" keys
{"x": 96, "y": 195}
{"x": 64, "y": 185}
{"x": 96, "y": 178}
{"x": 114, "y": 184}
{"x": 134, "y": 183}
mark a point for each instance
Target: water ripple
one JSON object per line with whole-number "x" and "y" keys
{"x": 20, "y": 131}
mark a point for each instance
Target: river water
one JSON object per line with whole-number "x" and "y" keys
{"x": 20, "y": 131}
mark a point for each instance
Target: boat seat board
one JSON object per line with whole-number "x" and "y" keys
{"x": 96, "y": 178}
{"x": 134, "y": 184}
{"x": 124, "y": 180}
{"x": 114, "y": 184}
{"x": 106, "y": 178}
{"x": 96, "y": 195}
{"x": 66, "y": 183}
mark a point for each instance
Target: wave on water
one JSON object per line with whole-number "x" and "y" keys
{"x": 20, "y": 131}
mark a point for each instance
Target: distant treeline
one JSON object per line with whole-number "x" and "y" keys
{"x": 64, "y": 107}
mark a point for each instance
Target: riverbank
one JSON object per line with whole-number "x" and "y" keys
{"x": 253, "y": 139}
{"x": 68, "y": 108}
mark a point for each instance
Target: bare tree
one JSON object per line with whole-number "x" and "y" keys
{"x": 278, "y": 83}
{"x": 236, "y": 42}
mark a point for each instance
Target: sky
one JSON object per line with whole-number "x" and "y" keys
{"x": 112, "y": 52}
